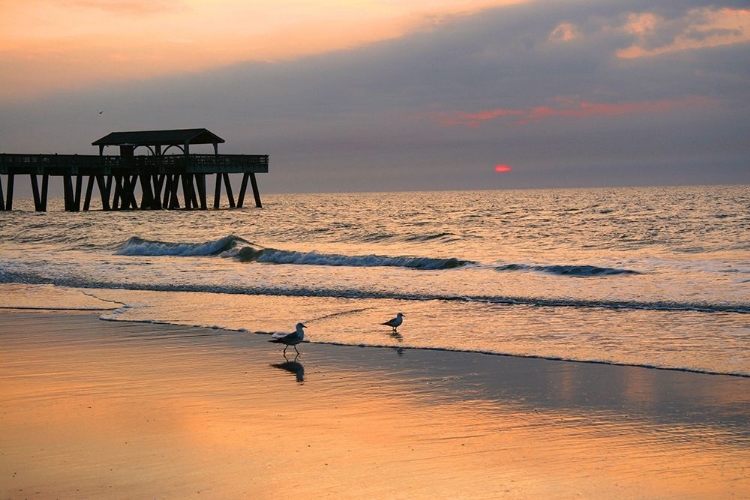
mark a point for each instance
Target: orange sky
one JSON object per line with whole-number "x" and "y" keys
{"x": 57, "y": 44}
{"x": 47, "y": 45}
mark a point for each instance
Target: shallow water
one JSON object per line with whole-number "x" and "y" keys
{"x": 646, "y": 276}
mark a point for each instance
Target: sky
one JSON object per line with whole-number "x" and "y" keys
{"x": 395, "y": 95}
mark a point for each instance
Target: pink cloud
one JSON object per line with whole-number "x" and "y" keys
{"x": 585, "y": 109}
{"x": 473, "y": 120}
{"x": 569, "y": 109}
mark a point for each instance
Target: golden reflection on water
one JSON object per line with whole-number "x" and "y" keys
{"x": 95, "y": 409}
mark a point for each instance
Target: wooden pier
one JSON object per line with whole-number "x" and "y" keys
{"x": 128, "y": 182}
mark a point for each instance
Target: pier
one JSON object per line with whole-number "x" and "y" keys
{"x": 152, "y": 181}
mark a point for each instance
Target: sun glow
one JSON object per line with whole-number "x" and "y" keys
{"x": 76, "y": 43}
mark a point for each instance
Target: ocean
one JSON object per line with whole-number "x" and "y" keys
{"x": 656, "y": 277}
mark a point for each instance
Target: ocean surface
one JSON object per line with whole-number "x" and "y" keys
{"x": 656, "y": 277}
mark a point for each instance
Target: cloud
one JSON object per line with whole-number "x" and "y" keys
{"x": 76, "y": 42}
{"x": 473, "y": 119}
{"x": 564, "y": 32}
{"x": 433, "y": 108}
{"x": 568, "y": 108}
{"x": 698, "y": 28}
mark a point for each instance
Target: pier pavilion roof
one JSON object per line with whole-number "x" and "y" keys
{"x": 160, "y": 138}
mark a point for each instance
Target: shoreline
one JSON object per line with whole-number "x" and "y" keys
{"x": 122, "y": 409}
{"x": 12, "y": 309}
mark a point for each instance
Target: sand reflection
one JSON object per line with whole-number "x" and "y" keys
{"x": 293, "y": 367}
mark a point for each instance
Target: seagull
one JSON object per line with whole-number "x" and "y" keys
{"x": 395, "y": 322}
{"x": 290, "y": 339}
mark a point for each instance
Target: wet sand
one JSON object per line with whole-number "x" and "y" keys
{"x": 96, "y": 409}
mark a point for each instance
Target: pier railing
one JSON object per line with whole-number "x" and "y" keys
{"x": 56, "y": 164}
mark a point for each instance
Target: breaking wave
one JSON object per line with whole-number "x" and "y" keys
{"x": 236, "y": 247}
{"x": 568, "y": 270}
{"x": 273, "y": 256}
{"x": 137, "y": 246}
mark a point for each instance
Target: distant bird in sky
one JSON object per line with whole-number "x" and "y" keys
{"x": 290, "y": 339}
{"x": 395, "y": 322}
{"x": 102, "y": 111}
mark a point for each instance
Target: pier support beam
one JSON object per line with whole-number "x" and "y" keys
{"x": 174, "y": 201}
{"x": 9, "y": 193}
{"x": 45, "y": 186}
{"x": 157, "y": 181}
{"x": 201, "y": 180}
{"x": 153, "y": 181}
{"x": 77, "y": 198}
{"x": 2, "y": 198}
{"x": 72, "y": 196}
{"x": 68, "y": 193}
{"x": 148, "y": 201}
{"x": 89, "y": 189}
{"x": 129, "y": 192}
{"x": 217, "y": 191}
{"x": 158, "y": 186}
{"x": 118, "y": 191}
{"x": 256, "y": 192}
{"x": 39, "y": 204}
{"x": 167, "y": 191}
{"x": 40, "y": 199}
{"x": 188, "y": 190}
{"x": 230, "y": 196}
{"x": 124, "y": 198}
{"x": 35, "y": 192}
{"x": 104, "y": 190}
{"x": 243, "y": 188}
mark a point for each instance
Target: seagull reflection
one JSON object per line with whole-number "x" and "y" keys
{"x": 397, "y": 336}
{"x": 292, "y": 367}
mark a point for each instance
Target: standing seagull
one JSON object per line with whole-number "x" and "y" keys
{"x": 395, "y": 322}
{"x": 290, "y": 339}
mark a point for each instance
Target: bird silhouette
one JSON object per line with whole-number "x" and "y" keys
{"x": 395, "y": 322}
{"x": 290, "y": 339}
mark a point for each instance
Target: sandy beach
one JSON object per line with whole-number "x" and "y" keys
{"x": 98, "y": 409}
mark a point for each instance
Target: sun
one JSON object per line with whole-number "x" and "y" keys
{"x": 501, "y": 169}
